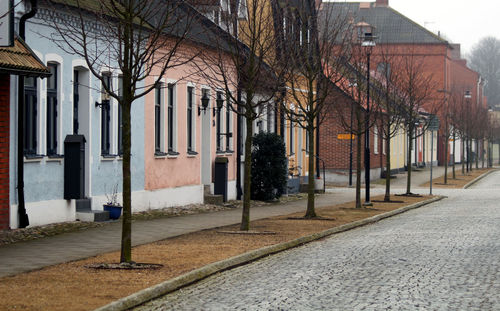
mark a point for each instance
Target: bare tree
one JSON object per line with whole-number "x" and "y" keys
{"x": 358, "y": 123}
{"x": 247, "y": 61}
{"x": 135, "y": 38}
{"x": 351, "y": 116}
{"x": 315, "y": 45}
{"x": 485, "y": 59}
{"x": 389, "y": 101}
{"x": 416, "y": 86}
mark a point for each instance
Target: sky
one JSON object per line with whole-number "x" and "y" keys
{"x": 459, "y": 21}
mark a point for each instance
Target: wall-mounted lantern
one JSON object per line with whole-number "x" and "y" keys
{"x": 103, "y": 104}
{"x": 205, "y": 100}
{"x": 219, "y": 101}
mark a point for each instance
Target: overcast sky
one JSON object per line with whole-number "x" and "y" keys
{"x": 460, "y": 21}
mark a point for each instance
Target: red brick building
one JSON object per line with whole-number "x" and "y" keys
{"x": 15, "y": 60}
{"x": 336, "y": 142}
{"x": 400, "y": 38}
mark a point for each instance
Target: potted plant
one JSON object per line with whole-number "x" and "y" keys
{"x": 112, "y": 206}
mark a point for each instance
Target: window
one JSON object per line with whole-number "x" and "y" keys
{"x": 159, "y": 119}
{"x": 384, "y": 69}
{"x": 30, "y": 115}
{"x": 218, "y": 123}
{"x": 171, "y": 120}
{"x": 76, "y": 99}
{"x": 52, "y": 110}
{"x": 292, "y": 151}
{"x": 375, "y": 140}
{"x": 229, "y": 125}
{"x": 120, "y": 117}
{"x": 190, "y": 130}
{"x": 242, "y": 9}
{"x": 105, "y": 114}
{"x": 259, "y": 123}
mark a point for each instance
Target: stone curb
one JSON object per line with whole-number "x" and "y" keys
{"x": 226, "y": 264}
{"x": 472, "y": 182}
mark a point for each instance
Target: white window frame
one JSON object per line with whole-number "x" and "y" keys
{"x": 243, "y": 10}
{"x": 228, "y": 123}
{"x": 175, "y": 118}
{"x": 161, "y": 130}
{"x": 194, "y": 113}
{"x": 375, "y": 139}
{"x": 55, "y": 59}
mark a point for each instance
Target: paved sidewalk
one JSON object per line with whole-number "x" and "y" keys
{"x": 31, "y": 255}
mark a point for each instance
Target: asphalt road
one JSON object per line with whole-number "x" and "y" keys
{"x": 444, "y": 256}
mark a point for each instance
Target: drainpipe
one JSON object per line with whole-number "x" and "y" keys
{"x": 21, "y": 210}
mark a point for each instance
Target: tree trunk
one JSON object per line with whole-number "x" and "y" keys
{"x": 408, "y": 159}
{"x": 310, "y": 213}
{"x": 477, "y": 154}
{"x": 462, "y": 156}
{"x": 469, "y": 156}
{"x": 245, "y": 217}
{"x": 387, "y": 197}
{"x": 126, "y": 245}
{"x": 358, "y": 165}
{"x": 482, "y": 153}
{"x": 446, "y": 143}
{"x": 453, "y": 163}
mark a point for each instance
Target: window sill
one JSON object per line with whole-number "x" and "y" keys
{"x": 33, "y": 158}
{"x": 55, "y": 158}
{"x": 172, "y": 155}
{"x": 192, "y": 154}
{"x": 220, "y": 152}
{"x": 229, "y": 152}
{"x": 108, "y": 157}
{"x": 160, "y": 155}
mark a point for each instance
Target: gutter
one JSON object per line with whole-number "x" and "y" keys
{"x": 22, "y": 215}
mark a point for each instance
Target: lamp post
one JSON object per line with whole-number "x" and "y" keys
{"x": 368, "y": 43}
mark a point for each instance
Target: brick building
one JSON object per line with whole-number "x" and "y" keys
{"x": 400, "y": 38}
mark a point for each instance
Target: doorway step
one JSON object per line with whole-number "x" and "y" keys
{"x": 84, "y": 212}
{"x": 208, "y": 198}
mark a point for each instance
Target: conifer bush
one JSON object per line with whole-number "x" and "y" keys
{"x": 269, "y": 170}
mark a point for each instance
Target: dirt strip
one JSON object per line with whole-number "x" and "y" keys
{"x": 72, "y": 286}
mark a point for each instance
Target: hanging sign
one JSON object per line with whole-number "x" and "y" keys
{"x": 346, "y": 136}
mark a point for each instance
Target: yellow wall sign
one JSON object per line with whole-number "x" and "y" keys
{"x": 346, "y": 136}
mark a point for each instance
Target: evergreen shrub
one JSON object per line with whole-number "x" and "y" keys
{"x": 269, "y": 172}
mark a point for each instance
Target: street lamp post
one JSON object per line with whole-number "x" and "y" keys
{"x": 368, "y": 43}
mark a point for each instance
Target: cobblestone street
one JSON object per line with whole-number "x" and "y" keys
{"x": 444, "y": 256}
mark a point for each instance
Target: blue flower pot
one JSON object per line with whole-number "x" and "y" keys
{"x": 114, "y": 211}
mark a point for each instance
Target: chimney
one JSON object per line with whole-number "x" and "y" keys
{"x": 382, "y": 3}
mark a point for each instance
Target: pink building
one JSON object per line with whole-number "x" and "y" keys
{"x": 183, "y": 138}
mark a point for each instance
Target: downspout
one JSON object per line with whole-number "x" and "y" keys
{"x": 21, "y": 210}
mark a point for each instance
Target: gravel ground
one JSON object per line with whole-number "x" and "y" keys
{"x": 33, "y": 233}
